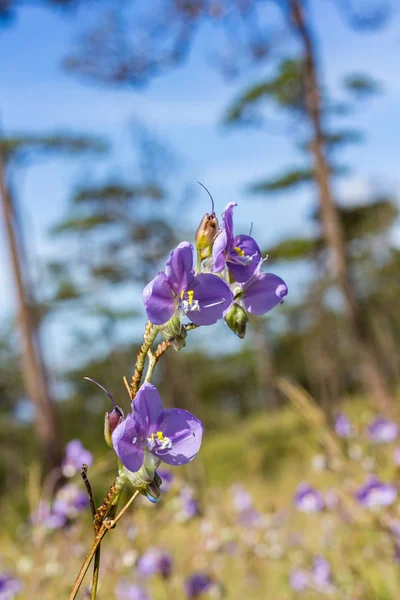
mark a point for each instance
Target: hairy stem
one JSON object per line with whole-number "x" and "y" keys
{"x": 150, "y": 334}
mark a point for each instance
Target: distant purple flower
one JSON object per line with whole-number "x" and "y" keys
{"x": 343, "y": 426}
{"x": 75, "y": 456}
{"x": 251, "y": 518}
{"x": 189, "y": 505}
{"x": 196, "y": 584}
{"x": 396, "y": 456}
{"x": 9, "y": 586}
{"x": 382, "y": 431}
{"x": 322, "y": 574}
{"x": 167, "y": 479}
{"x": 319, "y": 578}
{"x": 374, "y": 493}
{"x": 242, "y": 500}
{"x": 173, "y": 435}
{"x": 240, "y": 254}
{"x": 130, "y": 591}
{"x": 203, "y": 297}
{"x": 155, "y": 562}
{"x": 299, "y": 580}
{"x": 308, "y": 499}
{"x": 69, "y": 501}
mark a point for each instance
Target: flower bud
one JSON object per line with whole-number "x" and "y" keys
{"x": 205, "y": 235}
{"x": 237, "y": 319}
{"x": 111, "y": 420}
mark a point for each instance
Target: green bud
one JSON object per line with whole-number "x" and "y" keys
{"x": 206, "y": 234}
{"x": 237, "y": 320}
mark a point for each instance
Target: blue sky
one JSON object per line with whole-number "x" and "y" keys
{"x": 184, "y": 108}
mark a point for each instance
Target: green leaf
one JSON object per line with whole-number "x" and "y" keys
{"x": 294, "y": 249}
{"x": 361, "y": 86}
{"x": 285, "y": 89}
{"x": 283, "y": 182}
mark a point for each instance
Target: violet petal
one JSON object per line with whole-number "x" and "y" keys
{"x": 147, "y": 407}
{"x": 179, "y": 268}
{"x": 243, "y": 266}
{"x": 185, "y": 433}
{"x": 158, "y": 299}
{"x": 263, "y": 293}
{"x": 214, "y": 298}
{"x": 128, "y": 450}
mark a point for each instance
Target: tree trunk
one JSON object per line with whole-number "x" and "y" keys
{"x": 32, "y": 362}
{"x": 332, "y": 228}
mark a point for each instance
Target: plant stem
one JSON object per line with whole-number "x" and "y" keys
{"x": 96, "y": 571}
{"x": 150, "y": 334}
{"x": 104, "y": 528}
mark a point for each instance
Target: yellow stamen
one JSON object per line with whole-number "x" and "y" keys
{"x": 239, "y": 251}
{"x": 182, "y": 294}
{"x": 190, "y": 294}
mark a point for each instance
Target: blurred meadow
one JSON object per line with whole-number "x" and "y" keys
{"x": 110, "y": 114}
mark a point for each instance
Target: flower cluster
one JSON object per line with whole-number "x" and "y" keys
{"x": 230, "y": 283}
{"x": 226, "y": 283}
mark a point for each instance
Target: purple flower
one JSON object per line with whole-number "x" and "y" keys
{"x": 172, "y": 436}
{"x": 130, "y": 591}
{"x": 43, "y": 516}
{"x": 262, "y": 292}
{"x": 240, "y": 254}
{"x": 203, "y": 298}
{"x": 189, "y": 506}
{"x": 396, "y": 456}
{"x": 75, "y": 456}
{"x": 9, "y": 586}
{"x": 69, "y": 501}
{"x": 299, "y": 580}
{"x": 382, "y": 431}
{"x": 196, "y": 584}
{"x": 374, "y": 493}
{"x": 155, "y": 562}
{"x": 167, "y": 479}
{"x": 343, "y": 426}
{"x": 322, "y": 574}
{"x": 319, "y": 578}
{"x": 308, "y": 499}
{"x": 242, "y": 500}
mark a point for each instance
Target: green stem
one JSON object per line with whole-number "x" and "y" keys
{"x": 96, "y": 571}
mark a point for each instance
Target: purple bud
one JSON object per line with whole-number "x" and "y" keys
{"x": 196, "y": 584}
{"x": 111, "y": 421}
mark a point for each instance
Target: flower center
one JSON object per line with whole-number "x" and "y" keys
{"x": 187, "y": 301}
{"x": 159, "y": 440}
{"x": 239, "y": 251}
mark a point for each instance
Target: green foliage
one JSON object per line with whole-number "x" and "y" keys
{"x": 294, "y": 249}
{"x": 289, "y": 179}
{"x": 23, "y": 147}
{"x": 285, "y": 89}
{"x": 361, "y": 86}
{"x": 368, "y": 219}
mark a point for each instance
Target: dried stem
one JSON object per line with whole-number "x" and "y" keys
{"x": 89, "y": 489}
{"x": 105, "y": 526}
